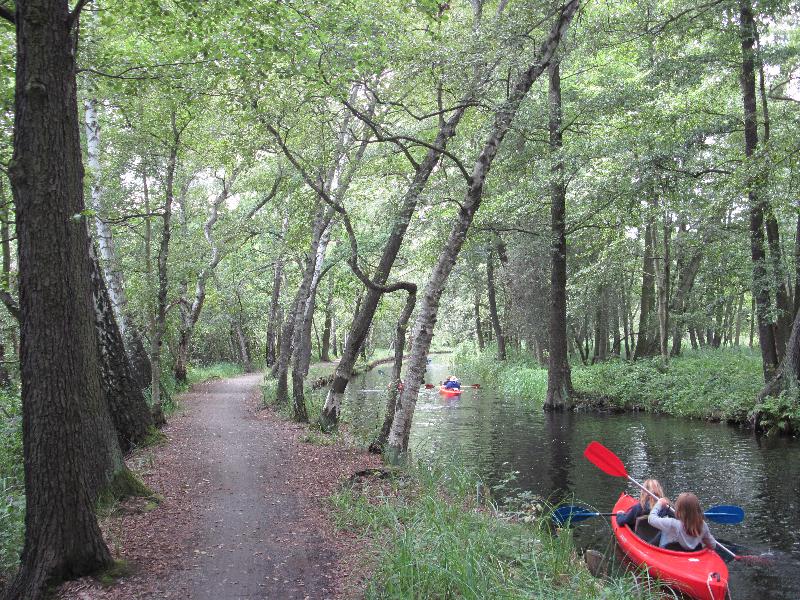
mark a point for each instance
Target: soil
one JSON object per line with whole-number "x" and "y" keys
{"x": 245, "y": 510}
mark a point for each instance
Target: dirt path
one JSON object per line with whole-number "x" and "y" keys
{"x": 244, "y": 514}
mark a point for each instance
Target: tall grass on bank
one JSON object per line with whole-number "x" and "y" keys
{"x": 436, "y": 541}
{"x": 718, "y": 384}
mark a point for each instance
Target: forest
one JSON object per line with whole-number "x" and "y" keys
{"x": 591, "y": 205}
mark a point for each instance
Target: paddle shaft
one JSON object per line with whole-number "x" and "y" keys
{"x": 580, "y": 513}
{"x": 632, "y": 480}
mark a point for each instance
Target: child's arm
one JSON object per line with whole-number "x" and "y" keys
{"x": 708, "y": 539}
{"x": 629, "y": 517}
{"x": 662, "y": 523}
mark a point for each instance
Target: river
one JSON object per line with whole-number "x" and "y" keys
{"x": 499, "y": 435}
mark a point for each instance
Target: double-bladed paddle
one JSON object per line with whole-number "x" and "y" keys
{"x": 608, "y": 462}
{"x": 730, "y": 515}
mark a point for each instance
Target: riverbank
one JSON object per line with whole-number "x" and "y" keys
{"x": 435, "y": 533}
{"x": 716, "y": 385}
{"x": 432, "y": 530}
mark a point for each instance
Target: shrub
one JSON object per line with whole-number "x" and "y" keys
{"x": 717, "y": 384}
{"x": 437, "y": 541}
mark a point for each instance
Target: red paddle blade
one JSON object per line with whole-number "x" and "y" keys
{"x": 429, "y": 386}
{"x": 605, "y": 460}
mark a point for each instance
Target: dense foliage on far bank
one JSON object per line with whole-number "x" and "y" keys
{"x": 703, "y": 384}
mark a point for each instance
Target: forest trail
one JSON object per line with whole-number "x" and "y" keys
{"x": 244, "y": 507}
{"x": 250, "y": 544}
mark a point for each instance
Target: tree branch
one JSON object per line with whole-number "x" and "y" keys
{"x": 76, "y": 12}
{"x": 11, "y": 304}
{"x": 8, "y": 14}
{"x": 269, "y": 196}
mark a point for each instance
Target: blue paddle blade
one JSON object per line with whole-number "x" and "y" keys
{"x": 572, "y": 514}
{"x": 727, "y": 514}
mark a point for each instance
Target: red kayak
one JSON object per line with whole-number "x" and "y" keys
{"x": 702, "y": 575}
{"x": 450, "y": 392}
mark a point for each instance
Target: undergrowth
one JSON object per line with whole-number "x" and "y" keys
{"x": 716, "y": 384}
{"x": 199, "y": 374}
{"x": 12, "y": 482}
{"x": 439, "y": 540}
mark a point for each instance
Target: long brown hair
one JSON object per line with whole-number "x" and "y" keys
{"x": 654, "y": 487}
{"x": 688, "y": 511}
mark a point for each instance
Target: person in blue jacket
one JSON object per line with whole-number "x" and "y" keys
{"x": 451, "y": 383}
{"x": 642, "y": 508}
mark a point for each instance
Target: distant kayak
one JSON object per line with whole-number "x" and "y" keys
{"x": 449, "y": 392}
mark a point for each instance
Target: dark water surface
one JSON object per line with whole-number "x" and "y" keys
{"x": 721, "y": 464}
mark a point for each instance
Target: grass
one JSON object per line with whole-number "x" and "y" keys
{"x": 706, "y": 384}
{"x": 315, "y": 399}
{"x": 437, "y": 540}
{"x": 12, "y": 482}
{"x": 198, "y": 374}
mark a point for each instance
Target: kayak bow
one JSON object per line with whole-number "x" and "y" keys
{"x": 450, "y": 392}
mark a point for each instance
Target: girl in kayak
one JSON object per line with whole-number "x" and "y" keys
{"x": 452, "y": 383}
{"x": 645, "y": 504}
{"x": 687, "y": 530}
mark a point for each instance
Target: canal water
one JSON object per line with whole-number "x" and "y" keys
{"x": 499, "y": 436}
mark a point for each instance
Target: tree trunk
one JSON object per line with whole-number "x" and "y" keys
{"x": 692, "y": 338}
{"x": 302, "y": 334}
{"x": 686, "y": 278}
{"x": 334, "y": 338}
{"x": 662, "y": 268}
{"x": 244, "y": 350}
{"x": 738, "y": 319}
{"x": 600, "y": 353}
{"x": 797, "y": 265}
{"x": 294, "y": 320}
{"x": 105, "y": 241}
{"x": 362, "y": 319}
{"x": 68, "y": 440}
{"x": 478, "y": 325}
{"x": 766, "y": 337}
{"x": 395, "y": 383}
{"x": 428, "y": 310}
{"x": 785, "y": 378}
{"x": 190, "y": 312}
{"x": 626, "y": 311}
{"x": 493, "y": 314}
{"x": 160, "y": 317}
{"x": 559, "y": 376}
{"x": 616, "y": 345}
{"x": 126, "y": 403}
{"x": 325, "y": 344}
{"x": 784, "y": 308}
{"x": 643, "y": 339}
{"x": 273, "y": 323}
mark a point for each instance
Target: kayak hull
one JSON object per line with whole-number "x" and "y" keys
{"x": 703, "y": 575}
{"x": 448, "y": 392}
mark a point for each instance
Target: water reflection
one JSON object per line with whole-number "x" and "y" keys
{"x": 498, "y": 435}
